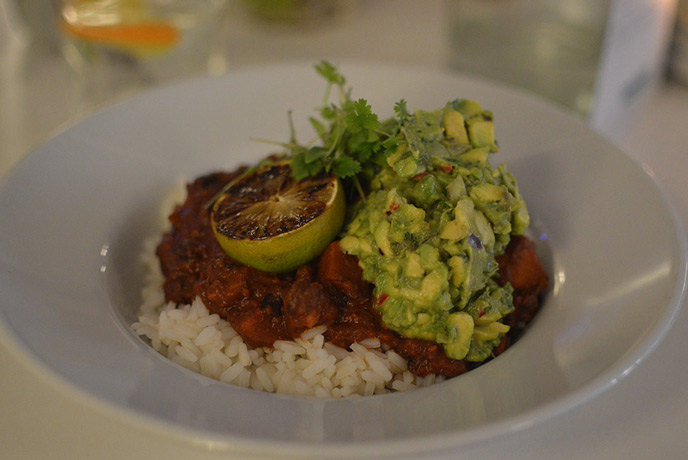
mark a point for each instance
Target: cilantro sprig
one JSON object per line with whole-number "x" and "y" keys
{"x": 353, "y": 143}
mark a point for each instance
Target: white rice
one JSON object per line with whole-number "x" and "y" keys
{"x": 205, "y": 343}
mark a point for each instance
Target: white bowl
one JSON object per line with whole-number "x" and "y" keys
{"x": 74, "y": 215}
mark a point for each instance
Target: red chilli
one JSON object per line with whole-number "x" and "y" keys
{"x": 380, "y": 300}
{"x": 420, "y": 176}
{"x": 393, "y": 207}
{"x": 447, "y": 168}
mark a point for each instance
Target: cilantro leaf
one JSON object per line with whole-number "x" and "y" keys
{"x": 330, "y": 73}
{"x": 346, "y": 167}
{"x": 359, "y": 116}
{"x": 328, "y": 112}
{"x": 314, "y": 154}
{"x": 363, "y": 145}
{"x": 401, "y": 110}
{"x": 298, "y": 166}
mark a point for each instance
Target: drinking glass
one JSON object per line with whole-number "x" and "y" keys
{"x": 550, "y": 47}
{"x": 120, "y": 46}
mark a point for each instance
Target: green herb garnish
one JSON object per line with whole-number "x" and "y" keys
{"x": 353, "y": 143}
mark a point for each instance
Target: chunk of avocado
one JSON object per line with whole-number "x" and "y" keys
{"x": 458, "y": 270}
{"x": 456, "y": 189}
{"x": 414, "y": 266}
{"x": 381, "y": 238}
{"x": 521, "y": 220}
{"x": 455, "y": 230}
{"x": 463, "y": 325}
{"x": 426, "y": 191}
{"x": 454, "y": 126}
{"x": 481, "y": 134}
{"x": 463, "y": 213}
{"x": 468, "y": 108}
{"x": 489, "y": 332}
{"x": 477, "y": 155}
{"x": 487, "y": 192}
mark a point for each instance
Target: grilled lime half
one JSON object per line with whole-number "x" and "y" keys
{"x": 270, "y": 221}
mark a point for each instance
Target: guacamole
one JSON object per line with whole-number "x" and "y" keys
{"x": 427, "y": 233}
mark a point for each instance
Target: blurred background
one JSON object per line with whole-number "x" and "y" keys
{"x": 63, "y": 59}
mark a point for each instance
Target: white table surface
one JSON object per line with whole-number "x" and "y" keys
{"x": 644, "y": 416}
